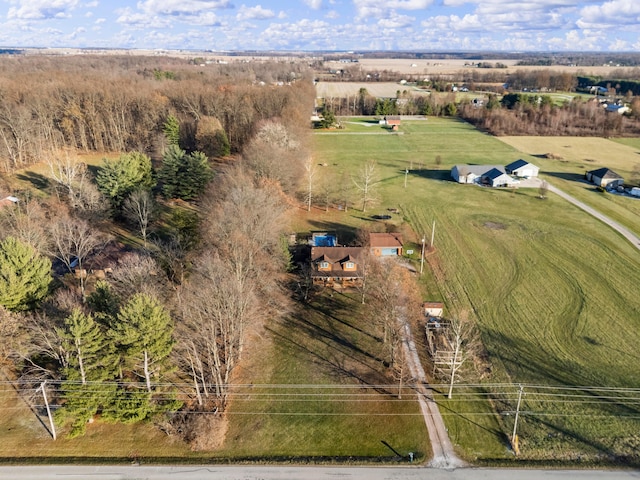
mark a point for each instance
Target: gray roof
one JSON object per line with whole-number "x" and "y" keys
{"x": 604, "y": 173}
{"x": 479, "y": 170}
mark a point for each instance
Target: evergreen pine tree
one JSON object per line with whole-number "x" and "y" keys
{"x": 90, "y": 371}
{"x": 25, "y": 275}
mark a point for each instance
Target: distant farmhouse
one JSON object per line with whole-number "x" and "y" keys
{"x": 392, "y": 121}
{"x": 604, "y": 177}
{"x": 494, "y": 175}
{"x": 472, "y": 173}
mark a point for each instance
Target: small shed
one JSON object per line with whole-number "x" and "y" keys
{"x": 433, "y": 309}
{"x": 392, "y": 121}
{"x": 604, "y": 177}
{"x": 7, "y": 201}
{"x": 385, "y": 244}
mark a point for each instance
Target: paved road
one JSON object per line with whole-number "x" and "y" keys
{"x": 208, "y": 472}
{"x": 633, "y": 238}
{"x": 443, "y": 454}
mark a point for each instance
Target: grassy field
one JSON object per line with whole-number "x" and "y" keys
{"x": 326, "y": 396}
{"x": 579, "y": 155}
{"x": 554, "y": 291}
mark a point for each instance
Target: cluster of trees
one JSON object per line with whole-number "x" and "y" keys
{"x": 404, "y": 103}
{"x": 176, "y": 310}
{"x": 521, "y": 114}
{"x": 110, "y": 103}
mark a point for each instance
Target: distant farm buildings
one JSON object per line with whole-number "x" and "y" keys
{"x": 605, "y": 178}
{"x": 494, "y": 175}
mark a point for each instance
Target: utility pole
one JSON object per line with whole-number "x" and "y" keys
{"x": 406, "y": 172}
{"x": 514, "y": 437}
{"x": 422, "y": 256}
{"x": 46, "y": 403}
{"x": 433, "y": 232}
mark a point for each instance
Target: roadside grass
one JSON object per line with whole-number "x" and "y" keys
{"x": 578, "y": 156}
{"x": 553, "y": 290}
{"x": 328, "y": 396}
{"x": 26, "y": 438}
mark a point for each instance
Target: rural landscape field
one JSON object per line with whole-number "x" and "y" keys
{"x": 552, "y": 289}
{"x": 261, "y": 364}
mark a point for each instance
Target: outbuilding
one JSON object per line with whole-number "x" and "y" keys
{"x": 522, "y": 168}
{"x": 497, "y": 178}
{"x": 604, "y": 177}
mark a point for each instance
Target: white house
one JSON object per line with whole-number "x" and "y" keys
{"x": 522, "y": 168}
{"x": 497, "y": 178}
{"x": 472, "y": 173}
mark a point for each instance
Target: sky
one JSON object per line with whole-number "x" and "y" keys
{"x": 321, "y": 25}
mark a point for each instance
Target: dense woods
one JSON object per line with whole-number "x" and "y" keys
{"x": 120, "y": 104}
{"x": 130, "y": 286}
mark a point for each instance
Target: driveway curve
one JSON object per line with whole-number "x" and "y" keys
{"x": 625, "y": 232}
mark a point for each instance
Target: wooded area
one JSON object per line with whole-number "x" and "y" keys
{"x": 128, "y": 287}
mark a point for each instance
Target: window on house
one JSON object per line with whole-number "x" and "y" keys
{"x": 349, "y": 265}
{"x": 324, "y": 264}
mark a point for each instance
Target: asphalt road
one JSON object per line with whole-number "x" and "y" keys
{"x": 297, "y": 473}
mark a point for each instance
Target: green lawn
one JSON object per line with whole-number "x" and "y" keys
{"x": 327, "y": 395}
{"x": 553, "y": 290}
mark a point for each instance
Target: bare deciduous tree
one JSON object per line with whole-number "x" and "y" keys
{"x": 461, "y": 341}
{"x": 365, "y": 181}
{"x": 543, "y": 189}
{"x": 139, "y": 207}
{"x": 310, "y": 171}
{"x": 73, "y": 241}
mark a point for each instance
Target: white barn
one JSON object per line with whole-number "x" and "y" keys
{"x": 522, "y": 168}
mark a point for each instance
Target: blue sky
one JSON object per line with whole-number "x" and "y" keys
{"x": 427, "y": 25}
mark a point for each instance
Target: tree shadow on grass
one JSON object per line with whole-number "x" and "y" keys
{"x": 38, "y": 180}
{"x": 555, "y": 376}
{"x": 432, "y": 174}
{"x": 335, "y": 346}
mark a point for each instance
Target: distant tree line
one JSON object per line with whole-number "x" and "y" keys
{"x": 105, "y": 103}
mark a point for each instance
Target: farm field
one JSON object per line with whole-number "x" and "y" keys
{"x": 448, "y": 66}
{"x": 553, "y": 291}
{"x": 578, "y": 155}
{"x": 376, "y": 89}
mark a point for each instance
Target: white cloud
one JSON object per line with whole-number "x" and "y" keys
{"x": 614, "y": 12}
{"x": 381, "y": 9}
{"x": 314, "y": 4}
{"x": 140, "y": 20}
{"x": 254, "y": 13}
{"x": 181, "y": 7}
{"x": 100, "y": 20}
{"x": 332, "y": 14}
{"x": 42, "y": 9}
{"x": 396, "y": 21}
